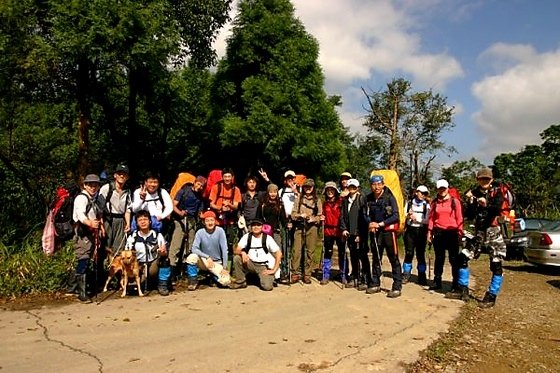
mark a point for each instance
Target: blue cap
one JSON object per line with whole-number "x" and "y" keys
{"x": 376, "y": 179}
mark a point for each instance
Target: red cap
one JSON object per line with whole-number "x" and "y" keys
{"x": 209, "y": 214}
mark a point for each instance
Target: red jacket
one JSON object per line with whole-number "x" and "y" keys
{"x": 331, "y": 210}
{"x": 446, "y": 214}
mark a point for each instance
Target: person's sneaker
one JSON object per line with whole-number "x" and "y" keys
{"x": 362, "y": 287}
{"x": 324, "y": 281}
{"x": 163, "y": 290}
{"x": 488, "y": 301}
{"x": 373, "y": 289}
{"x": 192, "y": 285}
{"x": 394, "y": 294}
{"x": 307, "y": 280}
{"x": 238, "y": 285}
{"x": 295, "y": 278}
{"x": 405, "y": 278}
{"x": 349, "y": 284}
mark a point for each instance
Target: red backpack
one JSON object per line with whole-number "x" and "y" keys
{"x": 214, "y": 177}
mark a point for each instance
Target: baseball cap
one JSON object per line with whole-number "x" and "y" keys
{"x": 256, "y": 222}
{"x": 353, "y": 182}
{"x": 92, "y": 178}
{"x": 209, "y": 214}
{"x": 121, "y": 167}
{"x": 483, "y": 173}
{"x": 422, "y": 188}
{"x": 376, "y": 179}
{"x": 346, "y": 174}
{"x": 442, "y": 183}
{"x": 289, "y": 173}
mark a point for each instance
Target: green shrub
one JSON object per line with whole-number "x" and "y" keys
{"x": 26, "y": 269}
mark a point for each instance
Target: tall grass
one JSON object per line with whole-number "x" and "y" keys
{"x": 25, "y": 269}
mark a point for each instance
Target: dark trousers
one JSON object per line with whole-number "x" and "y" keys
{"x": 328, "y": 245}
{"x": 359, "y": 258}
{"x": 446, "y": 241}
{"x": 385, "y": 241}
{"x": 415, "y": 241}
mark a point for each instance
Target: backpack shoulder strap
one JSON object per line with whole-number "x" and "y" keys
{"x": 264, "y": 243}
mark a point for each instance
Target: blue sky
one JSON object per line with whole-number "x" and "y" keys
{"x": 496, "y": 61}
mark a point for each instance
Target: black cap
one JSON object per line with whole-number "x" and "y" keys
{"x": 256, "y": 222}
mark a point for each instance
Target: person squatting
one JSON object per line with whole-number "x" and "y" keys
{"x": 272, "y": 234}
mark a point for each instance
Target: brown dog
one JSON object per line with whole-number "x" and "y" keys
{"x": 127, "y": 264}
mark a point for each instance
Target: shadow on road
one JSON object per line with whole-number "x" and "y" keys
{"x": 542, "y": 270}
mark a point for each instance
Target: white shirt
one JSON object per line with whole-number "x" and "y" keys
{"x": 288, "y": 198}
{"x": 256, "y": 252}
{"x": 152, "y": 203}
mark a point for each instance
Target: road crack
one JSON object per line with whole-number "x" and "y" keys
{"x": 38, "y": 321}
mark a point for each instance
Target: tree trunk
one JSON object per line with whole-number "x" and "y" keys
{"x": 84, "y": 120}
{"x": 394, "y": 146}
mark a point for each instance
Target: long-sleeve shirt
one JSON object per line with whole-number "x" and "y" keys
{"x": 353, "y": 217}
{"x": 211, "y": 245}
{"x": 383, "y": 208}
{"x": 446, "y": 214}
{"x": 310, "y": 206}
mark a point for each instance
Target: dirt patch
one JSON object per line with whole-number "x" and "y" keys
{"x": 520, "y": 334}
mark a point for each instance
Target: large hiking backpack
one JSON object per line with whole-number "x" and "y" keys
{"x": 455, "y": 200}
{"x": 392, "y": 181}
{"x": 214, "y": 177}
{"x": 508, "y": 202}
{"x": 62, "y": 209}
{"x": 183, "y": 179}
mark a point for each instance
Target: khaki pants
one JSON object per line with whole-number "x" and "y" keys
{"x": 240, "y": 270}
{"x": 202, "y": 263}
{"x": 310, "y": 238}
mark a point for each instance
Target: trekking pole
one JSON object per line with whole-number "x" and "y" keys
{"x": 303, "y": 249}
{"x": 344, "y": 265}
{"x": 378, "y": 258}
{"x": 96, "y": 245}
{"x": 429, "y": 261}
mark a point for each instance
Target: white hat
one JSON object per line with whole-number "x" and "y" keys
{"x": 289, "y": 173}
{"x": 422, "y": 188}
{"x": 353, "y": 182}
{"x": 442, "y": 183}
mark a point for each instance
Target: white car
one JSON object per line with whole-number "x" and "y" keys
{"x": 543, "y": 247}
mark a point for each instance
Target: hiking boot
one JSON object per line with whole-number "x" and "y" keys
{"x": 307, "y": 280}
{"x": 373, "y": 289}
{"x": 488, "y": 301}
{"x": 362, "y": 286}
{"x": 437, "y": 284}
{"x": 324, "y": 281}
{"x": 422, "y": 280}
{"x": 238, "y": 285}
{"x": 405, "y": 278}
{"x": 454, "y": 294}
{"x": 295, "y": 278}
{"x": 394, "y": 294}
{"x": 162, "y": 288}
{"x": 348, "y": 284}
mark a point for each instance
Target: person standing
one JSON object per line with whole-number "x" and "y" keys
{"x": 225, "y": 201}
{"x": 117, "y": 201}
{"x": 445, "y": 229}
{"x": 306, "y": 216}
{"x": 354, "y": 226}
{"x": 416, "y": 235}
{"x": 383, "y": 226}
{"x": 331, "y": 234}
{"x": 88, "y": 215}
{"x": 484, "y": 203}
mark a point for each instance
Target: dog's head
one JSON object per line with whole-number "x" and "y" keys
{"x": 128, "y": 256}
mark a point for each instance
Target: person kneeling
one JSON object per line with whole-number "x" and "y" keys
{"x": 209, "y": 252}
{"x": 257, "y": 253}
{"x": 151, "y": 252}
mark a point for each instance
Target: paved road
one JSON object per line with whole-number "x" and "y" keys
{"x": 291, "y": 329}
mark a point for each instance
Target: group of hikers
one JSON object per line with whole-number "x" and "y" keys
{"x": 274, "y": 233}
